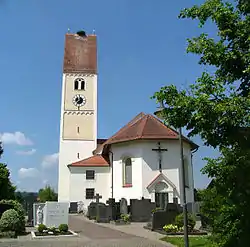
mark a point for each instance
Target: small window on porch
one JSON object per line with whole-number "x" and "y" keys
{"x": 127, "y": 172}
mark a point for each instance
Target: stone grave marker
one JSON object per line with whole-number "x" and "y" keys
{"x": 73, "y": 208}
{"x": 141, "y": 210}
{"x": 30, "y": 216}
{"x": 123, "y": 206}
{"x": 104, "y": 213}
{"x": 97, "y": 197}
{"x": 80, "y": 207}
{"x": 56, "y": 213}
{"x": 38, "y": 213}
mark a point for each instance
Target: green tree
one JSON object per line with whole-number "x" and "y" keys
{"x": 198, "y": 194}
{"x": 47, "y": 194}
{"x": 217, "y": 107}
{"x": 7, "y": 190}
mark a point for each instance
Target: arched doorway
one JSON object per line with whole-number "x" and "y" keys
{"x": 161, "y": 195}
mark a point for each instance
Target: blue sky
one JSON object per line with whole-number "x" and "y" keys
{"x": 141, "y": 47}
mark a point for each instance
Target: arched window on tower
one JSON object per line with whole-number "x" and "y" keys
{"x": 79, "y": 84}
{"x": 127, "y": 178}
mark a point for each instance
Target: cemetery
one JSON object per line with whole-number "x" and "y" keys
{"x": 168, "y": 221}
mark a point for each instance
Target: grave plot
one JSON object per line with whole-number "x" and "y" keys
{"x": 51, "y": 220}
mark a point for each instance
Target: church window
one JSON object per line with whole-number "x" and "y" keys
{"x": 90, "y": 192}
{"x": 79, "y": 84}
{"x": 90, "y": 174}
{"x": 127, "y": 171}
{"x": 78, "y": 156}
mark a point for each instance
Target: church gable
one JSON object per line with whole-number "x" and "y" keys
{"x": 159, "y": 179}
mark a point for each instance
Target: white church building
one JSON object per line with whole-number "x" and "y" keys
{"x": 141, "y": 160}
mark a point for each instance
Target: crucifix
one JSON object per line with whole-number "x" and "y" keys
{"x": 97, "y": 197}
{"x": 159, "y": 150}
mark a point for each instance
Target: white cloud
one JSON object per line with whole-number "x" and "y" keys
{"x": 50, "y": 160}
{"x": 15, "y": 138}
{"x": 28, "y": 173}
{"x": 28, "y": 152}
{"x": 45, "y": 181}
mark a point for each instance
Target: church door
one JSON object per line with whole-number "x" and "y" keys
{"x": 161, "y": 199}
{"x": 161, "y": 195}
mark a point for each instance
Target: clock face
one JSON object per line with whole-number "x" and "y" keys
{"x": 79, "y": 100}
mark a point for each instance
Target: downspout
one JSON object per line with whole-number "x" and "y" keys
{"x": 112, "y": 174}
{"x": 192, "y": 154}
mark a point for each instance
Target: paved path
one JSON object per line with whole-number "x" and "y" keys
{"x": 90, "y": 235}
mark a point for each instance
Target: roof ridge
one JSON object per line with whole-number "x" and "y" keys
{"x": 144, "y": 124}
{"x": 130, "y": 123}
{"x": 164, "y": 125}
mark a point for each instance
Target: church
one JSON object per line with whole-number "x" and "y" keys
{"x": 141, "y": 160}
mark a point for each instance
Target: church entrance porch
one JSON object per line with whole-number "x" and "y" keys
{"x": 161, "y": 195}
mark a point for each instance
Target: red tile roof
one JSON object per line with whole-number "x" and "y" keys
{"x": 93, "y": 161}
{"x": 144, "y": 127}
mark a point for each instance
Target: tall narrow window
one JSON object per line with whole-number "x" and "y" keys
{"x": 82, "y": 85}
{"x": 76, "y": 85}
{"x": 78, "y": 129}
{"x": 78, "y": 156}
{"x": 128, "y": 172}
{"x": 79, "y": 84}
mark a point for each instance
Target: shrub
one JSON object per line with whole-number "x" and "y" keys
{"x": 156, "y": 209}
{"x": 20, "y": 211}
{"x": 10, "y": 221}
{"x": 52, "y": 229}
{"x": 63, "y": 228}
{"x": 41, "y": 228}
{"x": 170, "y": 228}
{"x": 125, "y": 217}
{"x": 179, "y": 221}
{"x": 8, "y": 234}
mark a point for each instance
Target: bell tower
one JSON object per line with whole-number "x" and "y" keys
{"x": 78, "y": 123}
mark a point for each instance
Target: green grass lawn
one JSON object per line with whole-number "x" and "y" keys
{"x": 193, "y": 241}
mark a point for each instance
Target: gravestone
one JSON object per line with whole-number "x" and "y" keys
{"x": 103, "y": 213}
{"x": 111, "y": 203}
{"x": 141, "y": 210}
{"x": 123, "y": 206}
{"x": 165, "y": 217}
{"x": 38, "y": 213}
{"x": 175, "y": 200}
{"x": 97, "y": 197}
{"x": 56, "y": 213}
{"x": 73, "y": 208}
{"x": 30, "y": 217}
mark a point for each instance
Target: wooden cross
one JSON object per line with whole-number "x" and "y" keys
{"x": 159, "y": 150}
{"x": 97, "y": 197}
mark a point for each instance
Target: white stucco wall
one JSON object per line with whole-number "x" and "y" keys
{"x": 69, "y": 149}
{"x": 78, "y": 184}
{"x": 145, "y": 168}
{"x": 169, "y": 161}
{"x": 120, "y": 151}
{"x": 171, "y": 167}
